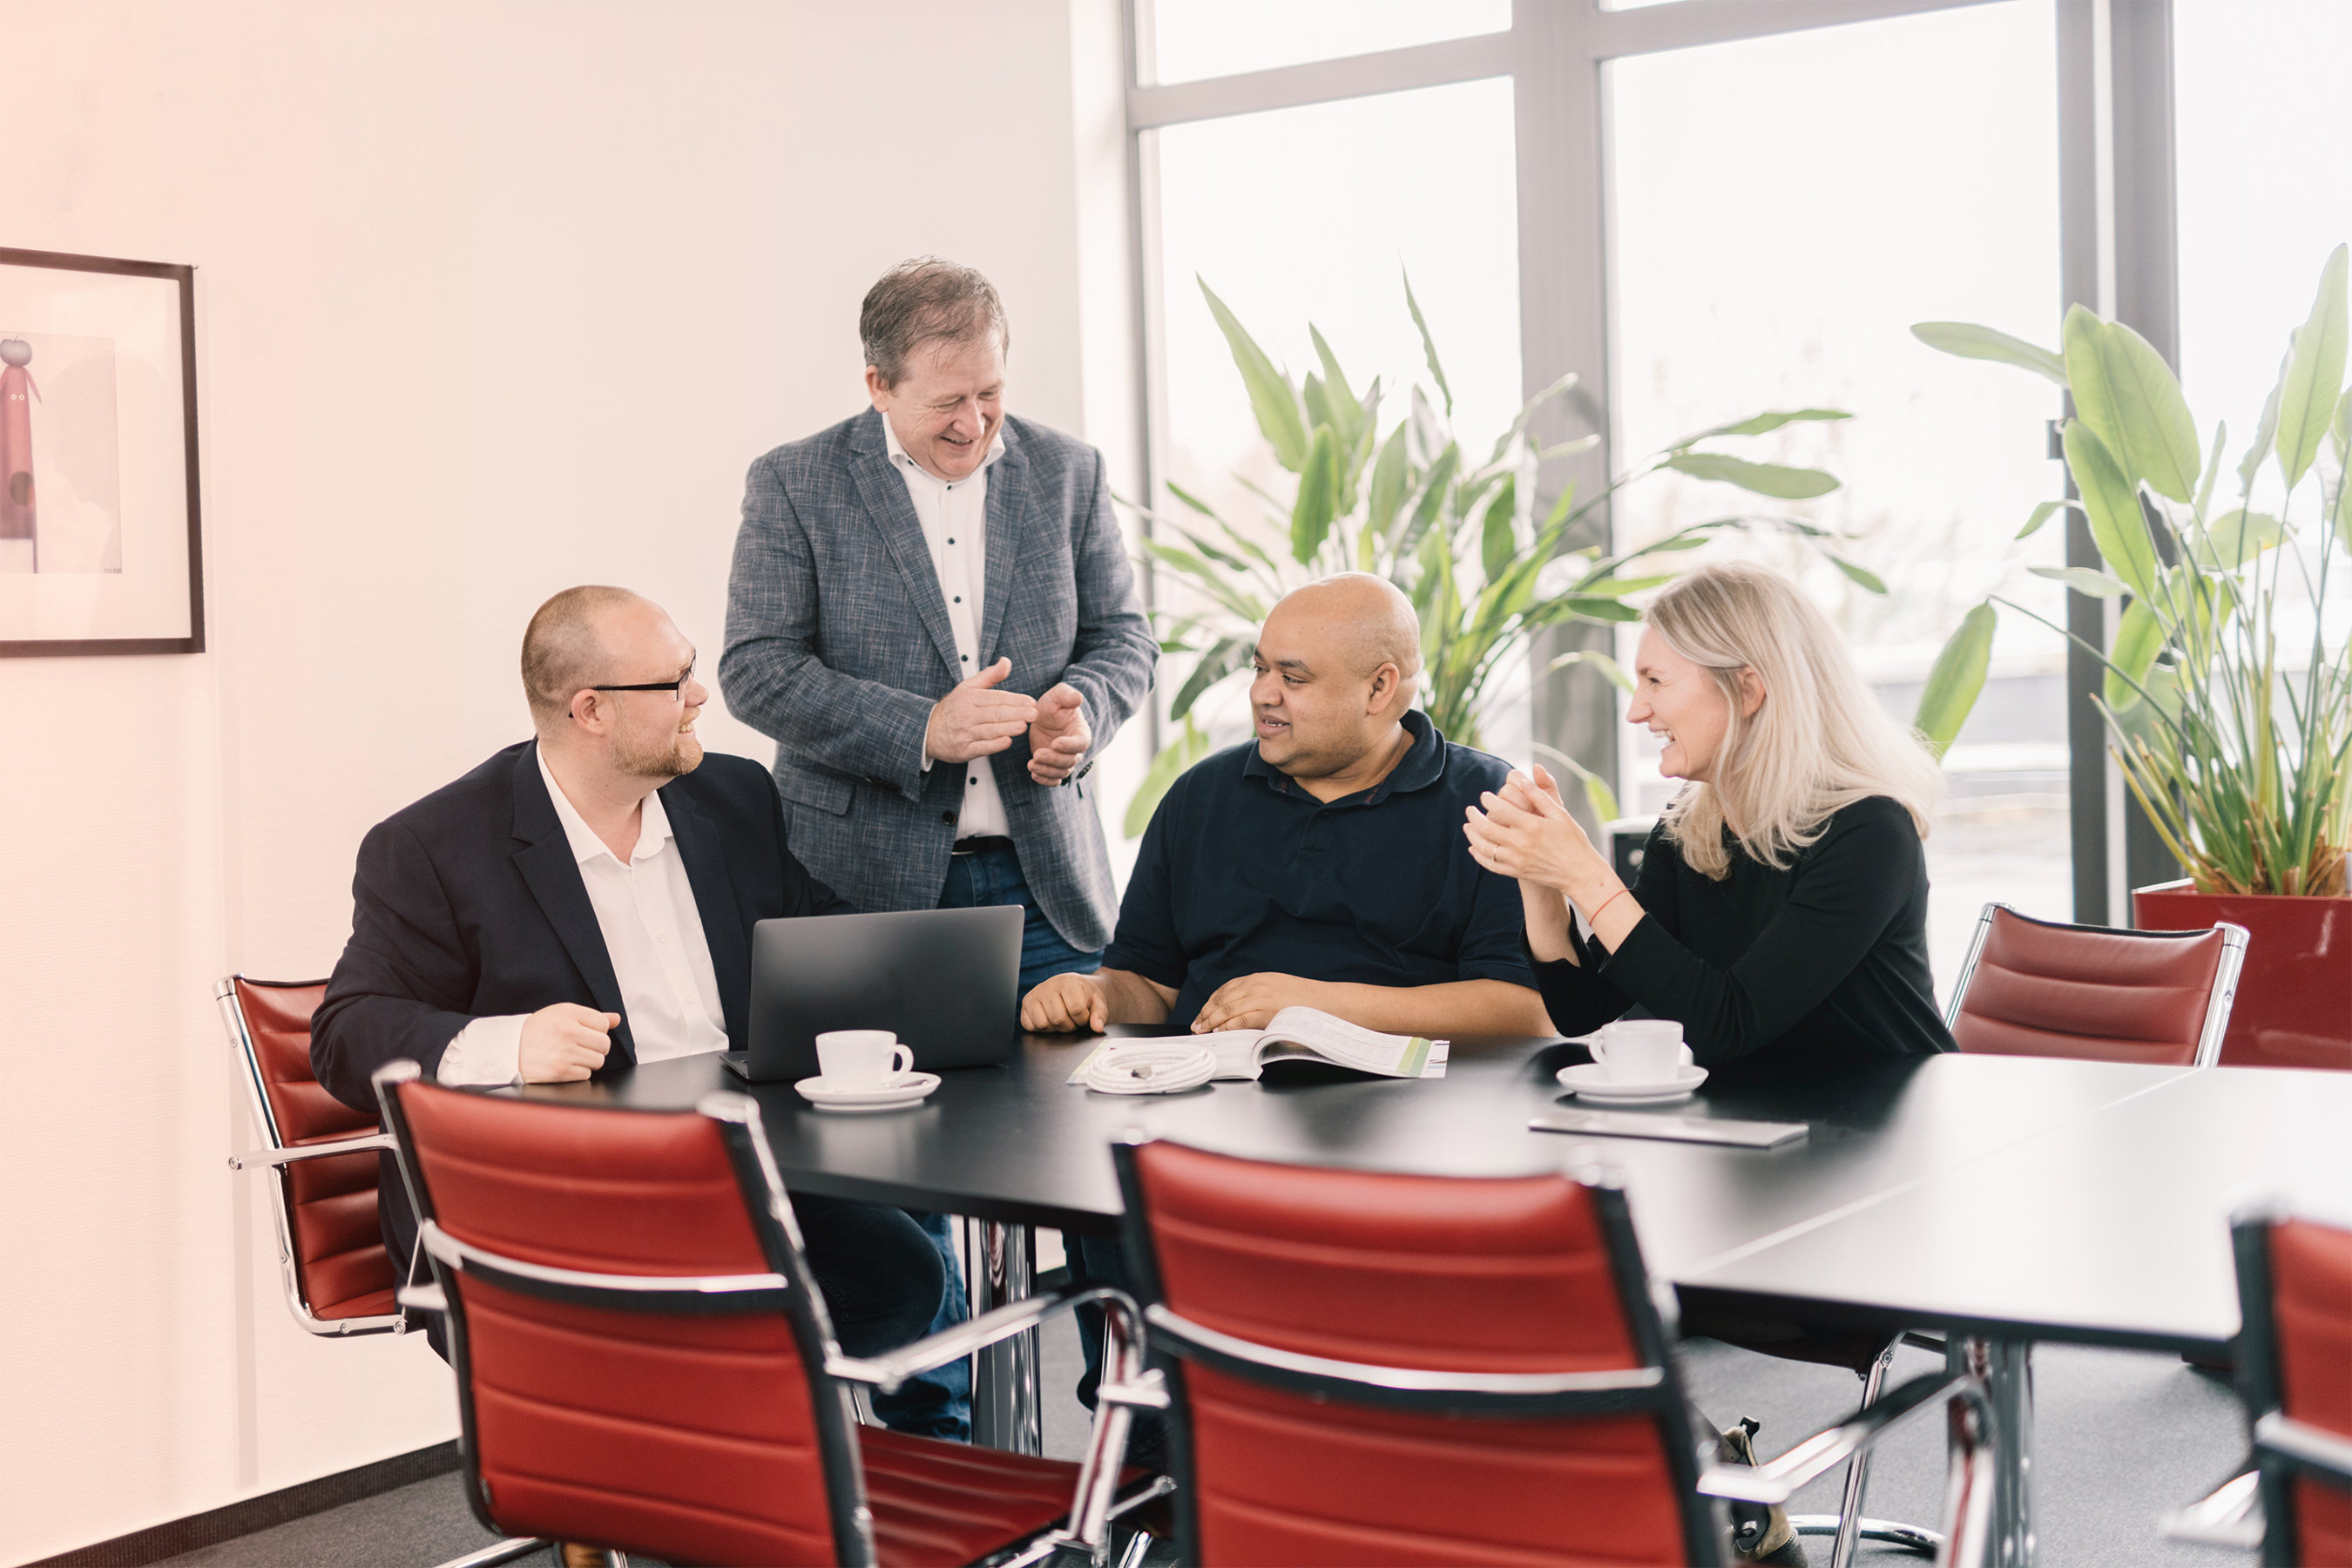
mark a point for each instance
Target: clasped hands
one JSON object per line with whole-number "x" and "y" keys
{"x": 977, "y": 719}
{"x": 1527, "y": 832}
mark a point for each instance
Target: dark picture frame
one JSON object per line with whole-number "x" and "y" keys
{"x": 159, "y": 534}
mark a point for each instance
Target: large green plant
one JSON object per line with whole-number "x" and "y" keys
{"x": 2239, "y": 761}
{"x": 1455, "y": 532}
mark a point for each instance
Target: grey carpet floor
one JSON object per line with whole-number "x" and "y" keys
{"x": 2121, "y": 1437}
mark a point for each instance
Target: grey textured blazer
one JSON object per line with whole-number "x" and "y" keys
{"x": 838, "y": 645}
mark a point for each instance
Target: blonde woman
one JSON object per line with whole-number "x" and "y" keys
{"x": 1781, "y": 912}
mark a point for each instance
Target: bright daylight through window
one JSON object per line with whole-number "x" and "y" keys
{"x": 1786, "y": 208}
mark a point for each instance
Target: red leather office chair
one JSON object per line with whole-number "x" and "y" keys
{"x": 323, "y": 1157}
{"x": 2294, "y": 1371}
{"x": 643, "y": 1362}
{"x": 2037, "y": 989}
{"x": 1368, "y": 1368}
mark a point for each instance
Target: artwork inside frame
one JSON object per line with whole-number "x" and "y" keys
{"x": 102, "y": 543}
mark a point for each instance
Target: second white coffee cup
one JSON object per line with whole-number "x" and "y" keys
{"x": 1641, "y": 1051}
{"x": 861, "y": 1059}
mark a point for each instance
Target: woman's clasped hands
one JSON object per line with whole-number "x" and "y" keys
{"x": 1524, "y": 831}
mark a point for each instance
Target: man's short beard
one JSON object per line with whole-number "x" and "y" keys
{"x": 682, "y": 755}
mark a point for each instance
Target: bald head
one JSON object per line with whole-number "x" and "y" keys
{"x": 1365, "y": 621}
{"x": 566, "y": 646}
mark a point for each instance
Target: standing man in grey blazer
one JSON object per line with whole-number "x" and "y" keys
{"x": 930, "y": 611}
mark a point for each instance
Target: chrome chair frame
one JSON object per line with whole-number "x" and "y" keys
{"x": 1654, "y": 1386}
{"x": 1095, "y": 1502}
{"x": 2217, "y": 1005}
{"x": 277, "y": 1158}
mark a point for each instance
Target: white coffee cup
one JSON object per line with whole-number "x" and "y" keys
{"x": 1641, "y": 1051}
{"x": 861, "y": 1059}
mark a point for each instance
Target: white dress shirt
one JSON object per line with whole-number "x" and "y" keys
{"x": 652, "y": 933}
{"x": 954, "y": 515}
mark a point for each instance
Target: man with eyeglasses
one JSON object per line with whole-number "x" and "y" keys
{"x": 586, "y": 899}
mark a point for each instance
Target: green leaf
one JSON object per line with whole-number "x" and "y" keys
{"x": 2339, "y": 435}
{"x": 1319, "y": 496}
{"x": 1435, "y": 487}
{"x": 2042, "y": 514}
{"x": 1764, "y": 479}
{"x": 1348, "y": 412}
{"x": 1389, "y": 475}
{"x": 1179, "y": 756}
{"x": 2212, "y": 467}
{"x": 1867, "y": 578}
{"x": 1219, "y": 586}
{"x": 1600, "y": 797}
{"x": 2315, "y": 374}
{"x": 1595, "y": 607}
{"x": 2083, "y": 580}
{"x": 1216, "y": 662}
{"x": 1428, "y": 344}
{"x": 1608, "y": 668}
{"x": 2111, "y": 502}
{"x": 2140, "y": 637}
{"x": 1319, "y": 405}
{"x": 1758, "y": 425}
{"x": 2236, "y": 537}
{"x": 1971, "y": 341}
{"x": 2126, "y": 396}
{"x": 1612, "y": 587}
{"x": 1957, "y": 678}
{"x": 2151, "y": 418}
{"x": 1498, "y": 541}
{"x": 1271, "y": 396}
{"x": 2266, "y": 430}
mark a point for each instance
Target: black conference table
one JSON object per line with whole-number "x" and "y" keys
{"x": 1848, "y": 1227}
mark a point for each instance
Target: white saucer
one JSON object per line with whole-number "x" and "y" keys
{"x": 1590, "y": 1081}
{"x": 908, "y": 1089}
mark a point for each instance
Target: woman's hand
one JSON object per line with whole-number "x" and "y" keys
{"x": 1525, "y": 832}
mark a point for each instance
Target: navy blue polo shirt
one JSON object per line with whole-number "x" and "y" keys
{"x": 1244, "y": 872}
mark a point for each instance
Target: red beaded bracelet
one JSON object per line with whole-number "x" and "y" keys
{"x": 1604, "y": 903}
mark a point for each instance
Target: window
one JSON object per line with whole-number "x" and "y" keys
{"x": 1785, "y": 208}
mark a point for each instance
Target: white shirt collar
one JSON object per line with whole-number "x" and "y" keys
{"x": 653, "y": 826}
{"x": 907, "y": 465}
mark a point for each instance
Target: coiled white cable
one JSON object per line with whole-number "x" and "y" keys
{"x": 1149, "y": 1068}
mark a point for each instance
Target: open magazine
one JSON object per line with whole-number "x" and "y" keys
{"x": 1300, "y": 1034}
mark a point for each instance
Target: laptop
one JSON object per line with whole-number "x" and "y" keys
{"x": 946, "y": 982}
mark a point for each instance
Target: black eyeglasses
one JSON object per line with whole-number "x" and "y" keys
{"x": 676, "y": 689}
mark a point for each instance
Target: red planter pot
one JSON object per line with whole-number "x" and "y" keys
{"x": 2294, "y": 998}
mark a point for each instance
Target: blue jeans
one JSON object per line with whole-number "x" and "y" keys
{"x": 993, "y": 876}
{"x": 940, "y": 1403}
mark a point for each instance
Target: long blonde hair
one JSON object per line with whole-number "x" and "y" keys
{"x": 1820, "y": 741}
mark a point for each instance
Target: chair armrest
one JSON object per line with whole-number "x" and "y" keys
{"x": 2231, "y": 1516}
{"x": 1776, "y": 1480}
{"x": 429, "y": 1298}
{"x": 2313, "y": 1449}
{"x": 263, "y": 1158}
{"x": 888, "y": 1371}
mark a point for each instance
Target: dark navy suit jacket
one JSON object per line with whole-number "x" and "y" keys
{"x": 468, "y": 904}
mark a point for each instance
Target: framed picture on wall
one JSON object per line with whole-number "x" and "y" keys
{"x": 100, "y": 543}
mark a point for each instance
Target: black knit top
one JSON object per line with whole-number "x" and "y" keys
{"x": 1794, "y": 971}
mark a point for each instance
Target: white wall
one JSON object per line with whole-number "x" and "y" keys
{"x": 492, "y": 299}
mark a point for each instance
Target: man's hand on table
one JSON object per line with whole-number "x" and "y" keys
{"x": 1063, "y": 1003}
{"x": 975, "y": 720}
{"x": 1252, "y": 1001}
{"x": 564, "y": 1043}
{"x": 1059, "y": 736}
